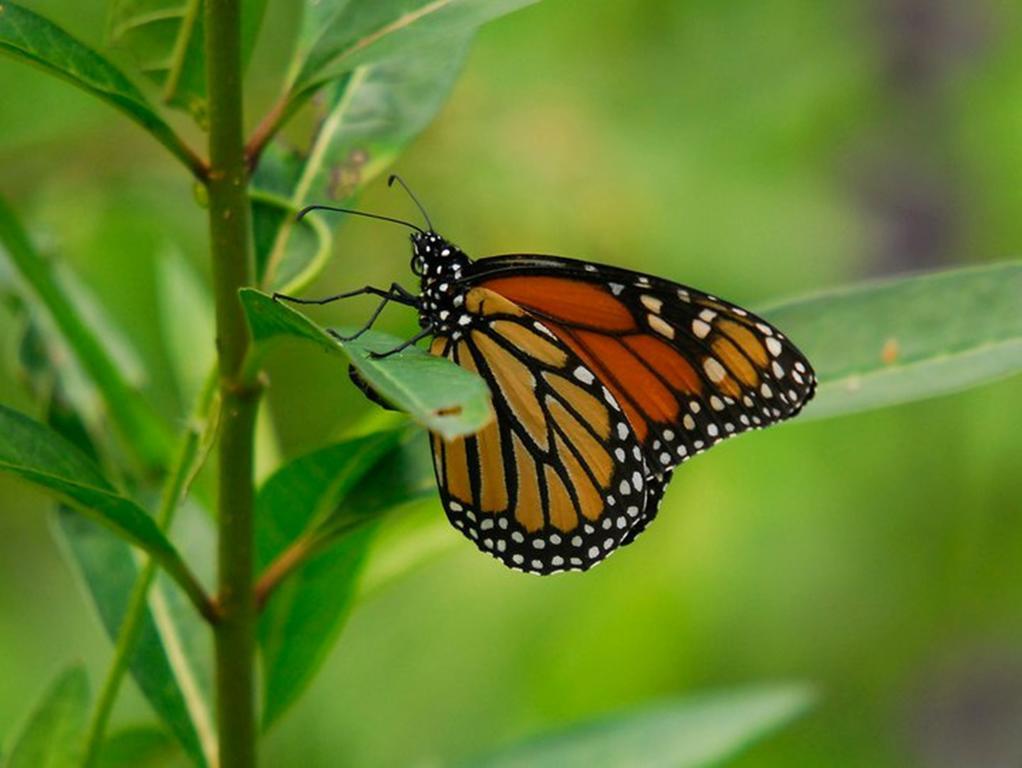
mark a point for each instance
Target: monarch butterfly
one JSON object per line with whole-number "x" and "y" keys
{"x": 603, "y": 380}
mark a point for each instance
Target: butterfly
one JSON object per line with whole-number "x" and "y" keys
{"x": 603, "y": 380}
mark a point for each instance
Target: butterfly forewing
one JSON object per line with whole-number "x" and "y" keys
{"x": 559, "y": 479}
{"x": 687, "y": 368}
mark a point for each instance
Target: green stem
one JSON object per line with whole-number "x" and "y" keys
{"x": 230, "y": 241}
{"x": 282, "y": 111}
{"x": 131, "y": 627}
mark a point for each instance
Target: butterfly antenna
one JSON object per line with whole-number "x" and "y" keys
{"x": 308, "y": 208}
{"x": 390, "y": 182}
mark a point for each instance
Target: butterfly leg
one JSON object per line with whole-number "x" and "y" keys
{"x": 404, "y": 345}
{"x": 395, "y": 293}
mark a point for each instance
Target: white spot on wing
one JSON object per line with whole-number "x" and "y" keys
{"x": 652, "y": 303}
{"x": 714, "y": 369}
{"x": 583, "y": 375}
{"x": 660, "y": 326}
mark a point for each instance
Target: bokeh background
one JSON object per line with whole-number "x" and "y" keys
{"x": 760, "y": 150}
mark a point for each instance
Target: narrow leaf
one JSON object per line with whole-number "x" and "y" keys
{"x": 908, "y": 338}
{"x": 364, "y": 122}
{"x": 342, "y": 35}
{"x": 106, "y": 565}
{"x": 163, "y": 663}
{"x": 30, "y": 37}
{"x": 52, "y": 737}
{"x": 306, "y": 612}
{"x": 41, "y": 456}
{"x": 167, "y": 40}
{"x": 137, "y": 422}
{"x": 436, "y": 393}
{"x": 694, "y": 732}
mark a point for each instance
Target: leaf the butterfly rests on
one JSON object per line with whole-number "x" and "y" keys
{"x": 603, "y": 380}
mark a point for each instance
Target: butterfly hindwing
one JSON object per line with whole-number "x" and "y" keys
{"x": 558, "y": 480}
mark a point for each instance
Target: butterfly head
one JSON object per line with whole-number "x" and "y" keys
{"x": 439, "y": 265}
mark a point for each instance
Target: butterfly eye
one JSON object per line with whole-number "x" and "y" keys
{"x": 418, "y": 266}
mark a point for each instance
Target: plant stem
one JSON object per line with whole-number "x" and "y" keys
{"x": 267, "y": 128}
{"x": 286, "y": 563}
{"x": 198, "y": 167}
{"x": 174, "y": 490}
{"x": 230, "y": 241}
{"x": 297, "y": 554}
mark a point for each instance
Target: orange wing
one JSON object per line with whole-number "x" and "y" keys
{"x": 688, "y": 369}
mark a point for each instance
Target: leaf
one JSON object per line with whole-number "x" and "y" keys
{"x": 74, "y": 406}
{"x": 690, "y": 732}
{"x": 138, "y": 423}
{"x": 402, "y": 481}
{"x": 908, "y": 338}
{"x": 167, "y": 40}
{"x": 52, "y": 737}
{"x": 30, "y": 37}
{"x": 436, "y": 393}
{"x": 341, "y": 35}
{"x": 108, "y": 567}
{"x": 403, "y": 476}
{"x": 164, "y": 663}
{"x": 44, "y": 458}
{"x": 364, "y": 122}
{"x": 138, "y": 747}
{"x": 306, "y": 612}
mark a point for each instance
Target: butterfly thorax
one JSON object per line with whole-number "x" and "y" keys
{"x": 440, "y": 266}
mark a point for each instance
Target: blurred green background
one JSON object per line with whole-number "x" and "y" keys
{"x": 757, "y": 150}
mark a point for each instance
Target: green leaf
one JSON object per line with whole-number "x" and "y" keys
{"x": 403, "y": 481}
{"x": 436, "y": 393}
{"x": 41, "y": 456}
{"x": 28, "y": 36}
{"x": 340, "y": 35}
{"x": 52, "y": 737}
{"x": 166, "y": 662}
{"x": 403, "y": 476}
{"x": 908, "y": 338}
{"x": 141, "y": 428}
{"x": 693, "y": 732}
{"x": 50, "y": 373}
{"x": 167, "y": 40}
{"x": 306, "y": 612}
{"x": 138, "y": 747}
{"x": 363, "y": 123}
{"x": 107, "y": 566}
